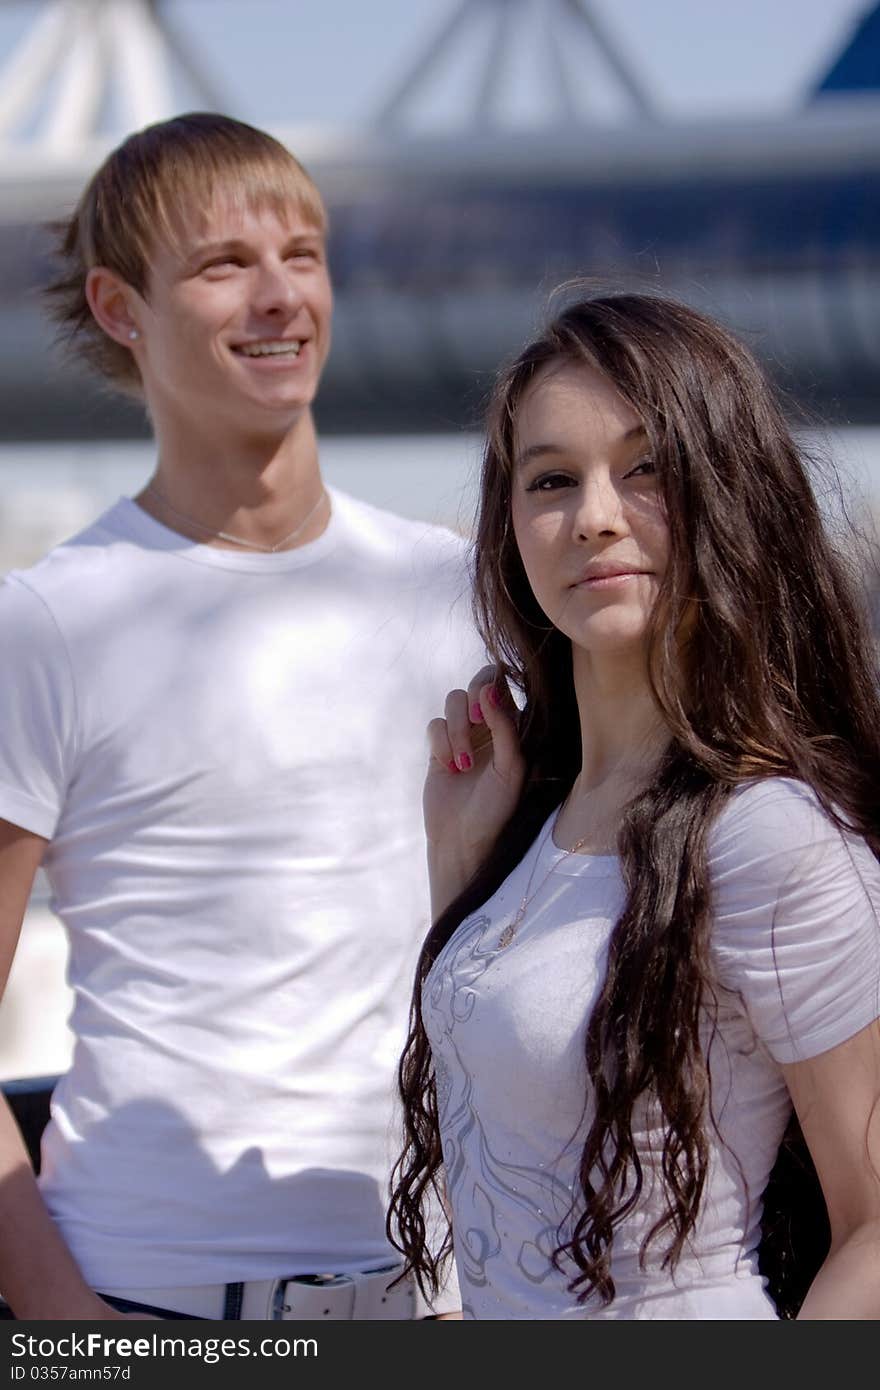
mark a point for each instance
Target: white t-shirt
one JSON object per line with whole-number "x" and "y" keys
{"x": 796, "y": 949}
{"x": 227, "y": 752}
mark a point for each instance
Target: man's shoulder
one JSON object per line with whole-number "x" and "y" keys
{"x": 404, "y": 538}
{"x": 57, "y": 577}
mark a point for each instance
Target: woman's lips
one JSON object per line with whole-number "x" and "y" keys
{"x": 609, "y": 580}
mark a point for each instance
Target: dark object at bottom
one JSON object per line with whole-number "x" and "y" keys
{"x": 29, "y": 1102}
{"x": 124, "y": 1305}
{"x": 795, "y": 1235}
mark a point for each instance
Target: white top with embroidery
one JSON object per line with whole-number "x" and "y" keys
{"x": 796, "y": 948}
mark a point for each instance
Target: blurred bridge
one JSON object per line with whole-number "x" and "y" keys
{"x": 445, "y": 248}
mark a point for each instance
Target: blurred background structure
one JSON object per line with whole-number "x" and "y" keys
{"x": 474, "y": 155}
{"x": 447, "y": 239}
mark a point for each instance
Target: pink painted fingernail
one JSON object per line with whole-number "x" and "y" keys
{"x": 464, "y": 762}
{"x": 453, "y": 767}
{"x": 476, "y": 713}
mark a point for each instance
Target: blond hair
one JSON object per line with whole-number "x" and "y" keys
{"x": 142, "y": 193}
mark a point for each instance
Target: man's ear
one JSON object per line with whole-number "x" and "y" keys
{"x": 114, "y": 305}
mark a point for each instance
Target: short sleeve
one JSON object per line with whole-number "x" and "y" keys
{"x": 37, "y": 711}
{"x": 796, "y": 904}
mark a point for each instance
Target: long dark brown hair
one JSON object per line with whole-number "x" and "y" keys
{"x": 779, "y": 680}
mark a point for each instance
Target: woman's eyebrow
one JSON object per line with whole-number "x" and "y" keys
{"x": 541, "y": 450}
{"x": 537, "y": 451}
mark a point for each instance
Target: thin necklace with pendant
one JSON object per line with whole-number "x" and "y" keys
{"x": 512, "y": 927}
{"x": 236, "y": 540}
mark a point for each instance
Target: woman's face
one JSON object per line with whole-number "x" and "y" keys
{"x": 587, "y": 513}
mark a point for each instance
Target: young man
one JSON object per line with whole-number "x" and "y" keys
{"x": 212, "y": 714}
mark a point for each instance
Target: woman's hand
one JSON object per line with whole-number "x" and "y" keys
{"x": 474, "y": 781}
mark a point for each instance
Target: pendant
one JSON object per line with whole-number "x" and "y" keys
{"x": 507, "y": 935}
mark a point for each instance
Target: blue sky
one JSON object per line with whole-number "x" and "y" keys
{"x": 303, "y": 61}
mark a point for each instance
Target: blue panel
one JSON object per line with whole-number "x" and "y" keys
{"x": 857, "y": 69}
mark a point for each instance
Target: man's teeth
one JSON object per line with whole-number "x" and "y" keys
{"x": 275, "y": 349}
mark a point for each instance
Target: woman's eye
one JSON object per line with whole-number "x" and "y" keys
{"x": 549, "y": 482}
{"x": 643, "y": 469}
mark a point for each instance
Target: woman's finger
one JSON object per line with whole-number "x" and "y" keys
{"x": 484, "y": 677}
{"x": 458, "y": 726}
{"x": 500, "y": 717}
{"x": 439, "y": 745}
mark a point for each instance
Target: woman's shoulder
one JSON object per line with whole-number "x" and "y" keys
{"x": 770, "y": 796}
{"x": 779, "y": 863}
{"x": 796, "y": 907}
{"x": 775, "y": 816}
{"x": 784, "y": 871}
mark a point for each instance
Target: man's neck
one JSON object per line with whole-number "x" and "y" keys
{"x": 251, "y": 491}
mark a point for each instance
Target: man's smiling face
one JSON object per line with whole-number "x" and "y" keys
{"x": 236, "y": 320}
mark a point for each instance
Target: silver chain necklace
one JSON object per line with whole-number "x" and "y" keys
{"x": 236, "y": 540}
{"x": 528, "y": 897}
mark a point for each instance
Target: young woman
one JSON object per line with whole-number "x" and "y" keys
{"x": 656, "y": 895}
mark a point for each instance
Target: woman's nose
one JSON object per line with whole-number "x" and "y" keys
{"x": 599, "y": 509}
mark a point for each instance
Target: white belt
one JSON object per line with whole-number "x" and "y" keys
{"x": 305, "y": 1297}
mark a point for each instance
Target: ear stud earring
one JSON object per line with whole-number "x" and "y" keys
{"x": 133, "y": 334}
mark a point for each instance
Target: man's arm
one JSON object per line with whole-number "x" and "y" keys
{"x": 38, "y": 1275}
